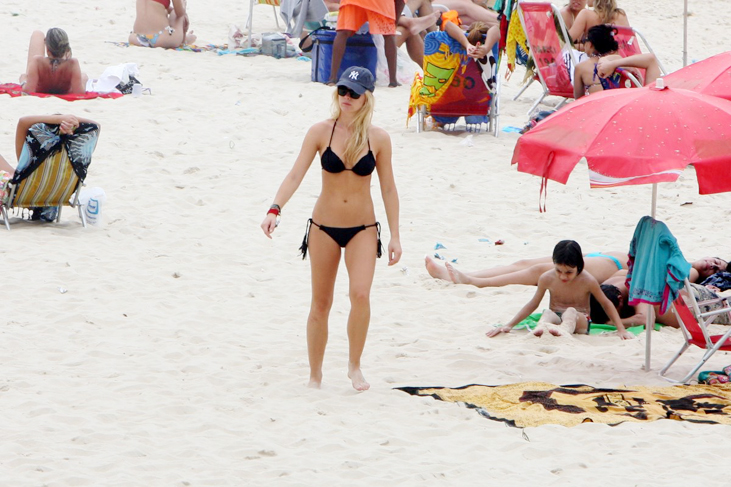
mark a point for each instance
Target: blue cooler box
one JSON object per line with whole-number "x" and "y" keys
{"x": 360, "y": 51}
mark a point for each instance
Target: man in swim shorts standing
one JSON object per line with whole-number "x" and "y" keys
{"x": 381, "y": 18}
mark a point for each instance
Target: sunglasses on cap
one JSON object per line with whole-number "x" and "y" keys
{"x": 344, "y": 90}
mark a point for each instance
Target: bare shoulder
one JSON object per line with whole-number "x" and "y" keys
{"x": 379, "y": 136}
{"x": 587, "y": 278}
{"x": 321, "y": 129}
{"x": 547, "y": 278}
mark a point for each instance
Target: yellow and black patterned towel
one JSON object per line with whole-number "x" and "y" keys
{"x": 536, "y": 403}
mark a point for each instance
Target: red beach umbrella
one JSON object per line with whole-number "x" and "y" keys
{"x": 634, "y": 136}
{"x": 711, "y": 76}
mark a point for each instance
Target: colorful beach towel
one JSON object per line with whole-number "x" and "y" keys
{"x": 443, "y": 56}
{"x": 537, "y": 403}
{"x": 14, "y": 89}
{"x": 186, "y": 47}
{"x": 596, "y": 328}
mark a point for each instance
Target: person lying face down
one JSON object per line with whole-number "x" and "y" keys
{"x": 58, "y": 73}
{"x": 569, "y": 290}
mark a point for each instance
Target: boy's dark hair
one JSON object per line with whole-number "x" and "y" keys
{"x": 597, "y": 313}
{"x": 568, "y": 252}
{"x": 728, "y": 266}
{"x": 602, "y": 37}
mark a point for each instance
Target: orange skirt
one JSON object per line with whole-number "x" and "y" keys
{"x": 352, "y": 17}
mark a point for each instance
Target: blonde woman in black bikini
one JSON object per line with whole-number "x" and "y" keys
{"x": 350, "y": 150}
{"x": 161, "y": 23}
{"x": 58, "y": 73}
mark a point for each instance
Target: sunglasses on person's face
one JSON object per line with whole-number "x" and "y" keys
{"x": 344, "y": 90}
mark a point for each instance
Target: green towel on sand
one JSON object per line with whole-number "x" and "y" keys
{"x": 596, "y": 329}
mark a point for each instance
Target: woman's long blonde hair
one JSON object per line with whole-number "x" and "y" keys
{"x": 362, "y": 122}
{"x": 606, "y": 10}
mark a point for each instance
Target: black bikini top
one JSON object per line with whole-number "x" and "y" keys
{"x": 333, "y": 164}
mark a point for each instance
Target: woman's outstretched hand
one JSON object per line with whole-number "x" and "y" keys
{"x": 269, "y": 224}
{"x": 394, "y": 252}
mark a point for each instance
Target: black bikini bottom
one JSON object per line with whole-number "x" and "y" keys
{"x": 341, "y": 235}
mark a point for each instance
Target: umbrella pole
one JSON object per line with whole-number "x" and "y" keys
{"x": 685, "y": 33}
{"x": 650, "y": 312}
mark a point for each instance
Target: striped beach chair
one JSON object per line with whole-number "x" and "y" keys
{"x": 49, "y": 177}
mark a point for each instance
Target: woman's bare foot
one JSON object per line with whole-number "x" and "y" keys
{"x": 436, "y": 270}
{"x": 315, "y": 381}
{"x": 456, "y": 276}
{"x": 356, "y": 376}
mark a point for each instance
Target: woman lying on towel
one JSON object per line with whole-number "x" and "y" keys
{"x": 601, "y": 265}
{"x": 598, "y": 72}
{"x": 350, "y": 150}
{"x": 161, "y": 23}
{"x": 57, "y": 74}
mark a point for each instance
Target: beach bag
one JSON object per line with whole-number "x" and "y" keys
{"x": 128, "y": 87}
{"x": 359, "y": 51}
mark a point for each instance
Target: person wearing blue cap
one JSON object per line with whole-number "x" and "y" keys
{"x": 350, "y": 150}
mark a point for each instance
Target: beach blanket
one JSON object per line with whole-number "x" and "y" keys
{"x": 218, "y": 48}
{"x": 596, "y": 328}
{"x": 537, "y": 403}
{"x": 14, "y": 89}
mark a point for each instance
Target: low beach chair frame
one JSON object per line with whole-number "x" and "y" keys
{"x": 56, "y": 192}
{"x": 694, "y": 325}
{"x": 627, "y": 47}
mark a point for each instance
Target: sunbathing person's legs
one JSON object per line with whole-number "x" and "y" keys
{"x": 470, "y": 12}
{"x": 37, "y": 47}
{"x": 525, "y": 277}
{"x": 544, "y": 263}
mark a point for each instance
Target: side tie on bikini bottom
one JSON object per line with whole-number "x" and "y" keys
{"x": 340, "y": 235}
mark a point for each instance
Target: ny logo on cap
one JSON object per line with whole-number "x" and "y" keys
{"x": 353, "y": 75}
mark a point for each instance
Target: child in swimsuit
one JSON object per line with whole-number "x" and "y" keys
{"x": 569, "y": 289}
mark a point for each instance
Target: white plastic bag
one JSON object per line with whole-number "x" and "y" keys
{"x": 92, "y": 199}
{"x": 405, "y": 67}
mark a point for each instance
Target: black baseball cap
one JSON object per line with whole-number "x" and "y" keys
{"x": 357, "y": 79}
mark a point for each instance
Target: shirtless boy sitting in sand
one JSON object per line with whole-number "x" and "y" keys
{"x": 569, "y": 290}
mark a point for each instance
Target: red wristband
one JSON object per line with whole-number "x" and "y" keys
{"x": 275, "y": 209}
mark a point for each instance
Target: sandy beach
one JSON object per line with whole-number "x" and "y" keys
{"x": 167, "y": 345}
